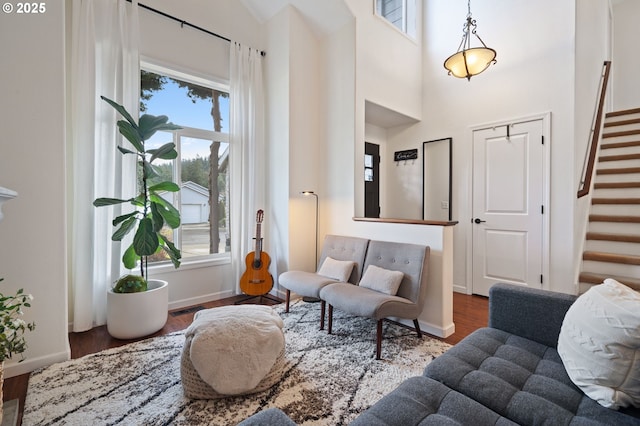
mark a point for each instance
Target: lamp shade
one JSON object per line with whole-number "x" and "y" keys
{"x": 470, "y": 62}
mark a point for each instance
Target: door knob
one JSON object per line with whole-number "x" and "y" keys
{"x": 477, "y": 220}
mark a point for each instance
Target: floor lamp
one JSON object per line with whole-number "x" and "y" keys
{"x": 315, "y": 261}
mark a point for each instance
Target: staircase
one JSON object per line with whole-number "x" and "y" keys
{"x": 612, "y": 247}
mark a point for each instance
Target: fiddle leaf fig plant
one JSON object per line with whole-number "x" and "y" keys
{"x": 150, "y": 211}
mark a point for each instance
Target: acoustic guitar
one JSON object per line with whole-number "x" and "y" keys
{"x": 256, "y": 280}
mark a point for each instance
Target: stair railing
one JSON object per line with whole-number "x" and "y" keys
{"x": 594, "y": 135}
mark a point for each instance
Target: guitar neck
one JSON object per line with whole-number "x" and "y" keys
{"x": 258, "y": 240}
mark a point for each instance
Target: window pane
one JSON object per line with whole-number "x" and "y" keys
{"x": 199, "y": 237}
{"x": 165, "y": 170}
{"x": 203, "y": 113}
{"x": 186, "y": 104}
{"x": 401, "y": 13}
{"x": 392, "y": 11}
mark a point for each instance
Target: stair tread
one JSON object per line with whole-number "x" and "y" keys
{"x": 598, "y": 256}
{"x": 621, "y": 133}
{"x": 618, "y": 170}
{"x": 594, "y": 278}
{"x": 623, "y": 112}
{"x": 610, "y": 123}
{"x": 613, "y": 185}
{"x": 613, "y": 218}
{"x": 612, "y": 145}
{"x": 619, "y": 157}
{"x": 603, "y": 236}
{"x": 616, "y": 200}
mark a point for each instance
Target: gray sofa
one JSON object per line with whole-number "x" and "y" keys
{"x": 507, "y": 373}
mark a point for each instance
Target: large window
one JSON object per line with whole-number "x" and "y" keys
{"x": 201, "y": 170}
{"x": 401, "y": 13}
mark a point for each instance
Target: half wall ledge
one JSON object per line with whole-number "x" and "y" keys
{"x": 406, "y": 221}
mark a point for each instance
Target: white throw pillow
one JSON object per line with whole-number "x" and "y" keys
{"x": 599, "y": 344}
{"x": 337, "y": 269}
{"x": 382, "y": 280}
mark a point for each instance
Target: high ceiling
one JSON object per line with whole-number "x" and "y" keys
{"x": 324, "y": 16}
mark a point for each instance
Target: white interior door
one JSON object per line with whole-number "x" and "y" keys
{"x": 508, "y": 194}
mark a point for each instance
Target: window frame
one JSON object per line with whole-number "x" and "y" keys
{"x": 406, "y": 11}
{"x": 212, "y": 259}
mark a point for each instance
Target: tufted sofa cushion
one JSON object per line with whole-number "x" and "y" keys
{"x": 422, "y": 401}
{"x": 522, "y": 380}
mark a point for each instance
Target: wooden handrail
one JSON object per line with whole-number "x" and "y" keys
{"x": 586, "y": 183}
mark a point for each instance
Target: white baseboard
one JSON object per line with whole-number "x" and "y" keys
{"x": 461, "y": 289}
{"x": 212, "y": 297}
{"x": 430, "y": 328}
{"x": 12, "y": 369}
{"x": 177, "y": 304}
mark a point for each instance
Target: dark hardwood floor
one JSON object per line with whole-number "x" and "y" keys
{"x": 469, "y": 314}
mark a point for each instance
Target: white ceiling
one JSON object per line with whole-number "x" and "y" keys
{"x": 324, "y": 16}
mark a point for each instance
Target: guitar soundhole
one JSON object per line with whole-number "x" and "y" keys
{"x": 257, "y": 264}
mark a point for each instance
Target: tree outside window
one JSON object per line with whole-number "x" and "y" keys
{"x": 202, "y": 166}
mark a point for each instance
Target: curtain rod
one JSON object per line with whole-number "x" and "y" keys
{"x": 188, "y": 24}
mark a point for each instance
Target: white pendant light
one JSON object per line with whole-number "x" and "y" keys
{"x": 469, "y": 61}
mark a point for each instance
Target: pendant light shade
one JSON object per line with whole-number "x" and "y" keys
{"x": 469, "y": 61}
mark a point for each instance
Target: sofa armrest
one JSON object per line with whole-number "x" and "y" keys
{"x": 526, "y": 312}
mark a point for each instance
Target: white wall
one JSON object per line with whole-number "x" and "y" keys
{"x": 165, "y": 40}
{"x": 404, "y": 178}
{"x": 277, "y": 129}
{"x": 626, "y": 61}
{"x": 32, "y": 162}
{"x": 388, "y": 73}
{"x": 293, "y": 139}
{"x": 304, "y": 140}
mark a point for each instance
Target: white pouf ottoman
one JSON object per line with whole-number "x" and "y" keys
{"x": 232, "y": 350}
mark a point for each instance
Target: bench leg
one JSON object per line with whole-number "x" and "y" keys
{"x": 379, "y": 339}
{"x": 417, "y": 325}
{"x": 330, "y": 319}
{"x": 287, "y": 299}
{"x": 323, "y": 305}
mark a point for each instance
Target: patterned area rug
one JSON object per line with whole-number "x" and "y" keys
{"x": 329, "y": 379}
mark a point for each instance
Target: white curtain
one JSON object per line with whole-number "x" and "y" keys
{"x": 105, "y": 62}
{"x": 246, "y": 133}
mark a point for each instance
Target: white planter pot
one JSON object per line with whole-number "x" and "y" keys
{"x": 133, "y": 315}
